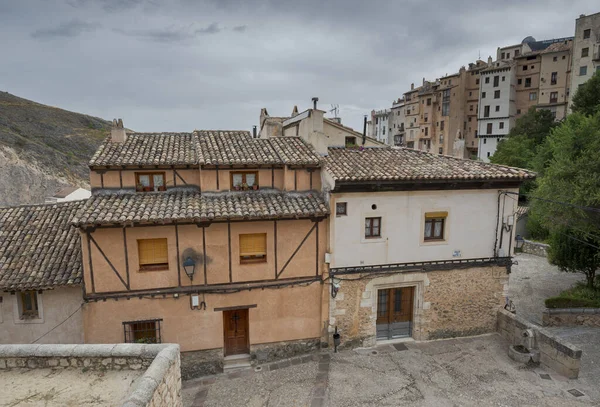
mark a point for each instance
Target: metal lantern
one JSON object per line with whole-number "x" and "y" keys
{"x": 189, "y": 265}
{"x": 519, "y": 242}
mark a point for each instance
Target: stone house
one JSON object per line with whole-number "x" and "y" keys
{"x": 214, "y": 240}
{"x": 40, "y": 274}
{"x": 419, "y": 244}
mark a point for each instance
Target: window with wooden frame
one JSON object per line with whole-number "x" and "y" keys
{"x": 28, "y": 305}
{"x": 350, "y": 141}
{"x": 147, "y": 331}
{"x": 244, "y": 180}
{"x": 150, "y": 181}
{"x": 372, "y": 227}
{"x": 435, "y": 223}
{"x": 253, "y": 248}
{"x": 153, "y": 254}
{"x": 341, "y": 208}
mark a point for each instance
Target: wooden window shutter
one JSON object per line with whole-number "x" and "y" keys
{"x": 254, "y": 244}
{"x": 153, "y": 251}
{"x": 432, "y": 215}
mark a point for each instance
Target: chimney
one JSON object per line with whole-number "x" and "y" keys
{"x": 412, "y": 86}
{"x": 117, "y": 133}
{"x": 490, "y": 60}
{"x": 423, "y": 81}
{"x": 253, "y": 131}
{"x": 315, "y": 100}
{"x": 364, "y": 138}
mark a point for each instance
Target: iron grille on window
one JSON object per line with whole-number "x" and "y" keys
{"x": 147, "y": 331}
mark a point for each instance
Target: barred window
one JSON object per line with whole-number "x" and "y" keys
{"x": 147, "y": 331}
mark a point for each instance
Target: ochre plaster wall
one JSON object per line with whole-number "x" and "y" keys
{"x": 113, "y": 178}
{"x": 280, "y": 315}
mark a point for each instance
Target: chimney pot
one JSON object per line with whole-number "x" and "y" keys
{"x": 412, "y": 86}
{"x": 315, "y": 100}
{"x": 489, "y": 59}
{"x": 117, "y": 133}
{"x": 253, "y": 131}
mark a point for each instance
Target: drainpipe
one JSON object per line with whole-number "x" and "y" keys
{"x": 364, "y": 138}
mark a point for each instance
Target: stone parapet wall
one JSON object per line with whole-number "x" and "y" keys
{"x": 571, "y": 317}
{"x": 556, "y": 353}
{"x": 159, "y": 385}
{"x": 535, "y": 248}
{"x": 448, "y": 303}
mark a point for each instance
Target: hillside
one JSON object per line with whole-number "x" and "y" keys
{"x": 43, "y": 148}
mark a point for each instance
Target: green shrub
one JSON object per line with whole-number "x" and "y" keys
{"x": 579, "y": 296}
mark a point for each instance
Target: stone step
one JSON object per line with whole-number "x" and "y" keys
{"x": 236, "y": 362}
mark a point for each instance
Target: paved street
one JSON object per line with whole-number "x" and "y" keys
{"x": 466, "y": 372}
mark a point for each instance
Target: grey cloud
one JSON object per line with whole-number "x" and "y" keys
{"x": 71, "y": 28}
{"x": 170, "y": 34}
{"x": 211, "y": 29}
{"x": 112, "y": 6}
{"x": 240, "y": 28}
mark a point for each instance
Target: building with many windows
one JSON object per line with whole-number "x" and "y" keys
{"x": 397, "y": 134}
{"x": 381, "y": 125}
{"x": 586, "y": 51}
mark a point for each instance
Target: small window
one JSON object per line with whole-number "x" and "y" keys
{"x": 496, "y": 94}
{"x": 503, "y": 78}
{"x": 527, "y": 82}
{"x": 587, "y": 33}
{"x": 471, "y": 108}
{"x": 532, "y": 95}
{"x": 553, "y": 78}
{"x": 483, "y": 95}
{"x": 442, "y": 125}
{"x": 28, "y": 305}
{"x": 489, "y": 128}
{"x": 434, "y": 225}
{"x": 496, "y": 80}
{"x": 153, "y": 254}
{"x": 488, "y": 153}
{"x": 497, "y": 108}
{"x": 484, "y": 141}
{"x": 486, "y": 111}
{"x": 150, "y": 181}
{"x": 554, "y": 59}
{"x": 517, "y": 52}
{"x": 253, "y": 248}
{"x": 428, "y": 101}
{"x": 519, "y": 81}
{"x": 341, "y": 208}
{"x": 524, "y": 67}
{"x": 553, "y": 97}
{"x": 477, "y": 81}
{"x": 487, "y": 79}
{"x": 351, "y": 141}
{"x": 243, "y": 180}
{"x": 585, "y": 52}
{"x": 503, "y": 55}
{"x": 372, "y": 227}
{"x": 147, "y": 331}
{"x": 518, "y": 111}
{"x": 582, "y": 70}
{"x": 441, "y": 150}
{"x": 501, "y": 126}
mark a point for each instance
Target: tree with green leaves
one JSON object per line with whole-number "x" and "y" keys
{"x": 587, "y": 98}
{"x": 567, "y": 198}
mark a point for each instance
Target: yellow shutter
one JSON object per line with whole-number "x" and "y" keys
{"x": 253, "y": 244}
{"x": 153, "y": 251}
{"x": 432, "y": 215}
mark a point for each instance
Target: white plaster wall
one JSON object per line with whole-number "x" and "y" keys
{"x": 56, "y": 305}
{"x": 591, "y": 22}
{"x": 487, "y": 147}
{"x": 470, "y": 226}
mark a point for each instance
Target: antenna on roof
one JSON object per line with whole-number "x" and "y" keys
{"x": 479, "y": 57}
{"x": 335, "y": 109}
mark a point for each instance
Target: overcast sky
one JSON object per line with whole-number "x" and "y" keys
{"x": 192, "y": 64}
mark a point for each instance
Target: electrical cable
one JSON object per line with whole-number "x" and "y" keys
{"x": 65, "y": 320}
{"x": 585, "y": 208}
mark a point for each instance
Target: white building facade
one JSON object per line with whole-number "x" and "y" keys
{"x": 396, "y": 124}
{"x": 381, "y": 121}
{"x": 496, "y": 107}
{"x": 586, "y": 51}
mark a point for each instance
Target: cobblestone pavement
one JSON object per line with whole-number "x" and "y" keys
{"x": 457, "y": 372}
{"x": 532, "y": 281}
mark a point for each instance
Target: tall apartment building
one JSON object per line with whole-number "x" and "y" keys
{"x": 411, "y": 116}
{"x": 380, "y": 123}
{"x": 586, "y": 51}
{"x": 396, "y": 123}
{"x": 472, "y": 106}
{"x": 496, "y": 106}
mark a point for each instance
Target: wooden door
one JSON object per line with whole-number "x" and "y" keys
{"x": 395, "y": 312}
{"x": 235, "y": 326}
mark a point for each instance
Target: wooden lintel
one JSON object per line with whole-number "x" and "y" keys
{"x": 235, "y": 307}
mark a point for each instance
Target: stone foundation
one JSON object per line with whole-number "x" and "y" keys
{"x": 556, "y": 353}
{"x": 535, "y": 248}
{"x": 201, "y": 363}
{"x": 571, "y": 317}
{"x": 448, "y": 303}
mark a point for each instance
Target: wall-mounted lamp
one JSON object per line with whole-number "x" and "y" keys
{"x": 335, "y": 286}
{"x": 189, "y": 265}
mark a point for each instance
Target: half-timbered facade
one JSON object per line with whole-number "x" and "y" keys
{"x": 420, "y": 244}
{"x": 212, "y": 239}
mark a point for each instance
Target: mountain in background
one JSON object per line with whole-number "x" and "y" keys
{"x": 43, "y": 148}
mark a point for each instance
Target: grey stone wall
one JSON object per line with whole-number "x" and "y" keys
{"x": 268, "y": 352}
{"x": 535, "y": 248}
{"x": 571, "y": 317}
{"x": 558, "y": 354}
{"x": 159, "y": 385}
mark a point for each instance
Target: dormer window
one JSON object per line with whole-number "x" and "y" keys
{"x": 244, "y": 180}
{"x": 150, "y": 181}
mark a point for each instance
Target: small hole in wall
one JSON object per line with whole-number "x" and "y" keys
{"x": 373, "y": 206}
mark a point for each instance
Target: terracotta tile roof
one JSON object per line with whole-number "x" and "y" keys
{"x": 404, "y": 164}
{"x": 295, "y": 151}
{"x": 147, "y": 149}
{"x": 39, "y": 248}
{"x": 189, "y": 206}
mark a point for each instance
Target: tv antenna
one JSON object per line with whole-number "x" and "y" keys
{"x": 335, "y": 109}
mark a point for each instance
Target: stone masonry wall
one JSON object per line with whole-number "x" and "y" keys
{"x": 160, "y": 384}
{"x": 535, "y": 248}
{"x": 448, "y": 303}
{"x": 571, "y": 317}
{"x": 556, "y": 353}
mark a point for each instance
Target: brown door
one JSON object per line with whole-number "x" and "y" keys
{"x": 235, "y": 325}
{"x": 394, "y": 312}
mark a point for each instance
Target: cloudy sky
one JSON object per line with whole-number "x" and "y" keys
{"x": 193, "y": 64}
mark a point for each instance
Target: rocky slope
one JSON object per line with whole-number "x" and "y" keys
{"x": 43, "y": 148}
